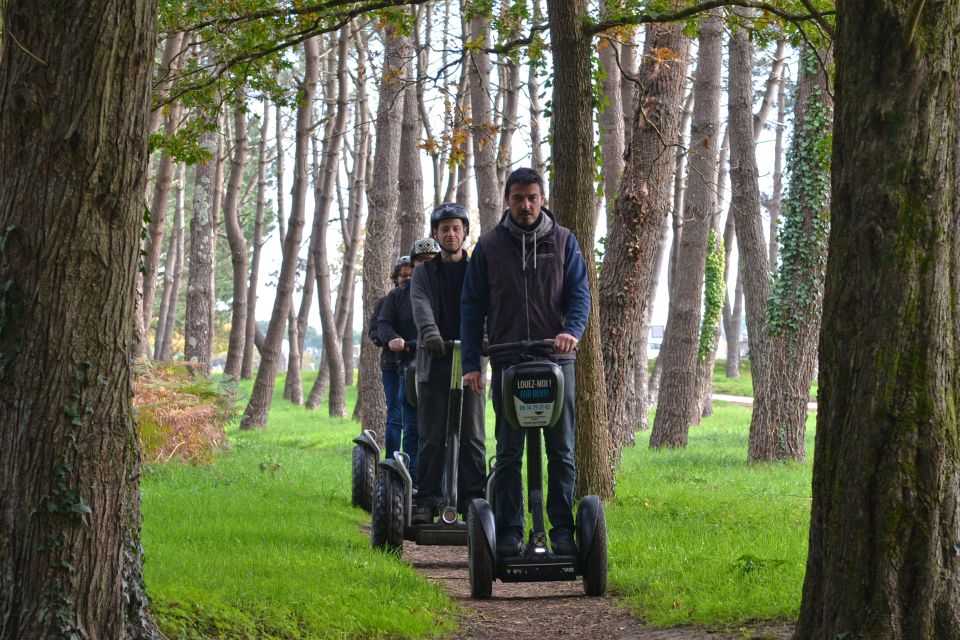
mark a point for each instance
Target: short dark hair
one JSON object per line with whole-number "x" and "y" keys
{"x": 523, "y": 175}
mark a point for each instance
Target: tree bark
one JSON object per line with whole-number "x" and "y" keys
{"x": 173, "y": 268}
{"x": 161, "y": 188}
{"x": 774, "y": 205}
{"x": 612, "y": 131}
{"x": 255, "y": 415}
{"x": 778, "y": 425}
{"x": 634, "y": 226}
{"x": 198, "y": 332}
{"x": 883, "y": 558}
{"x": 250, "y": 326}
{"x": 410, "y": 202}
{"x": 510, "y": 87}
{"x": 533, "y": 93}
{"x": 382, "y": 196}
{"x": 483, "y": 130}
{"x": 574, "y": 197}
{"x": 323, "y": 195}
{"x": 238, "y": 246}
{"x": 678, "y": 407}
{"x": 73, "y": 157}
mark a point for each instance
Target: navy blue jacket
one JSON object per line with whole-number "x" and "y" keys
{"x": 523, "y": 286}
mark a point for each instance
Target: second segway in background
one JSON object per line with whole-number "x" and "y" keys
{"x": 393, "y": 492}
{"x": 533, "y": 392}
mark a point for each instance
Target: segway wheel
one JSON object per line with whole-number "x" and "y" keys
{"x": 364, "y": 472}
{"x": 388, "y": 513}
{"x": 595, "y": 558}
{"x": 480, "y": 558}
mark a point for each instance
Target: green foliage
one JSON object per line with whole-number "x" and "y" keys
{"x": 797, "y": 290}
{"x": 713, "y": 291}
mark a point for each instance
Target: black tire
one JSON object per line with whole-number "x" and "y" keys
{"x": 364, "y": 473}
{"x": 386, "y": 533}
{"x": 595, "y": 558}
{"x": 480, "y": 558}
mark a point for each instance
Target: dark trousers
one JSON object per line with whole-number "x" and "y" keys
{"x": 561, "y": 469}
{"x": 411, "y": 444}
{"x": 391, "y": 385}
{"x": 432, "y": 401}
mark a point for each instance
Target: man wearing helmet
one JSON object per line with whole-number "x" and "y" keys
{"x": 395, "y": 327}
{"x": 527, "y": 280}
{"x": 435, "y": 298}
{"x": 388, "y": 364}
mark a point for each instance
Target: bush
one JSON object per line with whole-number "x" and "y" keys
{"x": 180, "y": 414}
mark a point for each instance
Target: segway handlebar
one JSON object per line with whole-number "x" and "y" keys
{"x": 503, "y": 348}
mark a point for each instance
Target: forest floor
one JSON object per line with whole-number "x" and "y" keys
{"x": 558, "y": 610}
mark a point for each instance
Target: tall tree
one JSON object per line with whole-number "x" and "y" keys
{"x": 678, "y": 406}
{"x": 635, "y": 223}
{"x": 778, "y": 423}
{"x": 255, "y": 415}
{"x": 382, "y": 196}
{"x": 73, "y": 156}
{"x": 323, "y": 195}
{"x": 246, "y": 367}
{"x": 483, "y": 130}
{"x": 173, "y": 269}
{"x": 883, "y": 558}
{"x": 574, "y": 196}
{"x": 611, "y": 119}
{"x": 410, "y": 197}
{"x": 238, "y": 245}
{"x": 198, "y": 327}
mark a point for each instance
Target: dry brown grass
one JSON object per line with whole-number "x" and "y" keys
{"x": 180, "y": 416}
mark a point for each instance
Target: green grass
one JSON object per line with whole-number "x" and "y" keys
{"x": 697, "y": 536}
{"x": 265, "y": 544}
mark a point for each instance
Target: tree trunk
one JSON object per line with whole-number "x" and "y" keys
{"x": 612, "y": 136}
{"x": 382, "y": 196}
{"x": 238, "y": 246}
{"x": 679, "y": 187}
{"x": 250, "y": 326}
{"x": 778, "y": 426}
{"x": 197, "y": 326}
{"x": 773, "y": 206}
{"x": 410, "y": 203}
{"x": 678, "y": 406}
{"x": 883, "y": 558}
{"x": 482, "y": 128}
{"x": 634, "y": 226}
{"x": 73, "y": 156}
{"x": 171, "y": 273}
{"x": 574, "y": 197}
{"x": 255, "y": 415}
{"x": 533, "y": 93}
{"x": 323, "y": 195}
{"x": 510, "y": 68}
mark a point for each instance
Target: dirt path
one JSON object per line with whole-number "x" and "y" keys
{"x": 549, "y": 610}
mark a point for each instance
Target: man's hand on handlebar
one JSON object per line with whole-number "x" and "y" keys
{"x": 397, "y": 344}
{"x": 564, "y": 343}
{"x": 474, "y": 380}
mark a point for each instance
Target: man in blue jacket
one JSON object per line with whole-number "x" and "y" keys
{"x": 527, "y": 280}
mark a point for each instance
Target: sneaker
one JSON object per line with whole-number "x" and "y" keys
{"x": 509, "y": 543}
{"x": 422, "y": 514}
{"x": 561, "y": 542}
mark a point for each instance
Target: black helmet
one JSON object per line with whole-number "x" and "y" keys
{"x": 402, "y": 261}
{"x": 449, "y": 210}
{"x": 422, "y": 246}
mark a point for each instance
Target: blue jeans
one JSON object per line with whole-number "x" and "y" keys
{"x": 391, "y": 387}
{"x": 561, "y": 469}
{"x": 410, "y": 437}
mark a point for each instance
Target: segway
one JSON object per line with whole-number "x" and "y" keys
{"x": 533, "y": 401}
{"x": 366, "y": 451}
{"x": 393, "y": 492}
